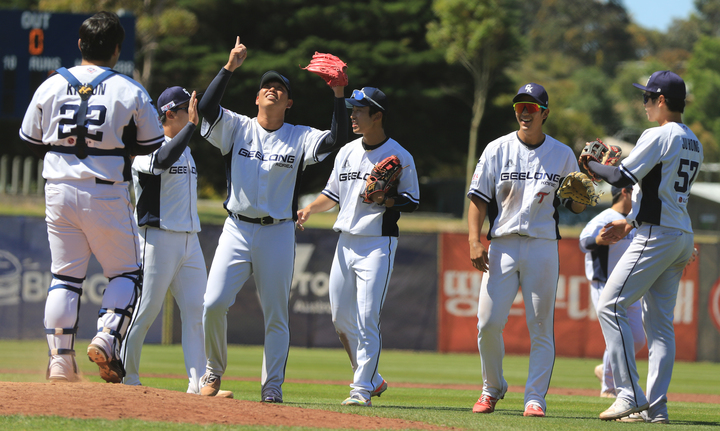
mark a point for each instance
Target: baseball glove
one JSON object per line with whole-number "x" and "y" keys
{"x": 599, "y": 152}
{"x": 384, "y": 177}
{"x": 579, "y": 188}
{"x": 329, "y": 68}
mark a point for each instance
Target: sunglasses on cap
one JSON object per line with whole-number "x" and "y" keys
{"x": 531, "y": 107}
{"x": 360, "y": 95}
{"x": 649, "y": 96}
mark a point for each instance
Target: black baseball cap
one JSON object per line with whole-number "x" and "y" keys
{"x": 272, "y": 75}
{"x": 367, "y": 96}
{"x": 666, "y": 83}
{"x": 172, "y": 97}
{"x": 536, "y": 91}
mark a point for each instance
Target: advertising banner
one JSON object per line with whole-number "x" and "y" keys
{"x": 577, "y": 330}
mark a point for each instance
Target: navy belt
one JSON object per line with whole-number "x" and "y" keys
{"x": 264, "y": 221}
{"x": 99, "y": 181}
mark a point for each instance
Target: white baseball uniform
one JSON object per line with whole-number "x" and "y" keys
{"x": 663, "y": 165}
{"x": 600, "y": 260}
{"x": 519, "y": 184}
{"x": 87, "y": 200}
{"x": 166, "y": 210}
{"x": 365, "y": 254}
{"x": 263, "y": 168}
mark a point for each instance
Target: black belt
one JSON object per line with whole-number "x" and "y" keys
{"x": 99, "y": 181}
{"x": 264, "y": 221}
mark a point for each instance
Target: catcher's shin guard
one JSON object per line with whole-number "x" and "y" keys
{"x": 61, "y": 321}
{"x": 119, "y": 302}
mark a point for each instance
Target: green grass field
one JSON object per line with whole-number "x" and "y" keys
{"x": 419, "y": 398}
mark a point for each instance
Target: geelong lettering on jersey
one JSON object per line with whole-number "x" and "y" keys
{"x": 286, "y": 161}
{"x": 691, "y": 145}
{"x": 179, "y": 170}
{"x": 349, "y": 176}
{"x": 100, "y": 89}
{"x": 524, "y": 176}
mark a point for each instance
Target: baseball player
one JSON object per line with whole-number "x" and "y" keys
{"x": 166, "y": 210}
{"x": 365, "y": 252}
{"x": 86, "y": 134}
{"x": 601, "y": 256}
{"x": 264, "y": 158}
{"x": 662, "y": 167}
{"x": 515, "y": 184}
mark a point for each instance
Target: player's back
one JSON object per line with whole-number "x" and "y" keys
{"x": 116, "y": 103}
{"x": 664, "y": 192}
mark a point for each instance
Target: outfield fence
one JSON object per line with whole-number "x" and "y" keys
{"x": 430, "y": 305}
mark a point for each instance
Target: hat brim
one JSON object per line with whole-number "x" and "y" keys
{"x": 643, "y": 88}
{"x": 517, "y": 97}
{"x": 272, "y": 75}
{"x": 350, "y": 102}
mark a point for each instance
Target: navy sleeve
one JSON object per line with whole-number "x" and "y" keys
{"x": 169, "y": 153}
{"x": 209, "y": 105}
{"x": 338, "y": 129}
{"x": 612, "y": 174}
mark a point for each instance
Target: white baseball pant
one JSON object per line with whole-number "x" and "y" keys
{"x": 636, "y": 326}
{"x": 267, "y": 253}
{"x": 359, "y": 280}
{"x": 533, "y": 263}
{"x": 171, "y": 260}
{"x": 650, "y": 269}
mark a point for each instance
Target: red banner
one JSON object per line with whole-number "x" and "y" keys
{"x": 577, "y": 331}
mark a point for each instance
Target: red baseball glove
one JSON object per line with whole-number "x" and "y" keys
{"x": 330, "y": 68}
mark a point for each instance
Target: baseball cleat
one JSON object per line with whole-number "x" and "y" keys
{"x": 635, "y": 417}
{"x": 272, "y": 399}
{"x": 534, "y": 410}
{"x": 609, "y": 393}
{"x": 209, "y": 384}
{"x": 644, "y": 417}
{"x": 621, "y": 408}
{"x": 62, "y": 369}
{"x": 111, "y": 370}
{"x": 225, "y": 394}
{"x": 599, "y": 372}
{"x": 379, "y": 390}
{"x": 485, "y": 404}
{"x": 357, "y": 400}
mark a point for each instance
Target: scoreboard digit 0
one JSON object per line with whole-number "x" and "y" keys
{"x": 35, "y": 44}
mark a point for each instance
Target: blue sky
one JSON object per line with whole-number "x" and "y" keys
{"x": 658, "y": 14}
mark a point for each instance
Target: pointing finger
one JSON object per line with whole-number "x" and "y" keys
{"x": 237, "y": 42}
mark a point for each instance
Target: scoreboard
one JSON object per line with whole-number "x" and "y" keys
{"x": 34, "y": 44}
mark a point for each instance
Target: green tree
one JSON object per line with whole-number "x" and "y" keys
{"x": 703, "y": 78}
{"x": 483, "y": 38}
{"x": 159, "y": 23}
{"x": 595, "y": 32}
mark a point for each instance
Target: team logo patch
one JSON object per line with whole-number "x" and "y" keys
{"x": 85, "y": 91}
{"x": 682, "y": 199}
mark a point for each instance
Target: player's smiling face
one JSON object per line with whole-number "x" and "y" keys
{"x": 273, "y": 93}
{"x": 530, "y": 122}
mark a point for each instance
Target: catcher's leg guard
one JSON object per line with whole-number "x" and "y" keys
{"x": 61, "y": 321}
{"x": 119, "y": 301}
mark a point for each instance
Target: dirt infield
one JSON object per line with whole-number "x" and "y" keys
{"x": 89, "y": 400}
{"x": 81, "y": 400}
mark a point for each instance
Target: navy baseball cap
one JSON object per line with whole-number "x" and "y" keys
{"x": 272, "y": 75}
{"x": 615, "y": 191}
{"x": 367, "y": 96}
{"x": 172, "y": 97}
{"x": 666, "y": 83}
{"x": 536, "y": 91}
